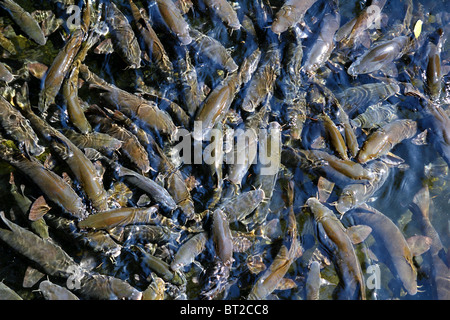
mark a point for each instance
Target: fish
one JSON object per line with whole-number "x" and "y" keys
{"x": 434, "y": 69}
{"x": 74, "y": 109}
{"x": 152, "y": 44}
{"x": 336, "y": 139}
{"x": 104, "y": 287}
{"x": 348, "y": 168}
{"x": 157, "y": 192}
{"x": 334, "y": 239}
{"x": 324, "y": 45}
{"x": 355, "y": 97}
{"x": 439, "y": 126}
{"x": 393, "y": 241}
{"x": 262, "y": 83}
{"x": 213, "y": 49}
{"x": 160, "y": 267}
{"x": 96, "y": 140}
{"x": 118, "y": 217}
{"x": 49, "y": 256}
{"x": 224, "y": 10}
{"x": 125, "y": 42}
{"x": 313, "y": 281}
{"x": 129, "y": 143}
{"x": 290, "y": 13}
{"x": 52, "y": 291}
{"x": 176, "y": 185}
{"x": 174, "y": 20}
{"x": 216, "y": 105}
{"x": 5, "y": 73}
{"x": 82, "y": 168}
{"x": 58, "y": 70}
{"x": 420, "y": 207}
{"x": 6, "y": 293}
{"x": 191, "y": 92}
{"x": 375, "y": 116}
{"x": 143, "y": 233}
{"x": 354, "y": 32}
{"x": 240, "y": 206}
{"x": 25, "y": 21}
{"x": 189, "y": 250}
{"x": 384, "y": 139}
{"x": 131, "y": 104}
{"x": 380, "y": 56}
{"x": 245, "y": 149}
{"x": 290, "y": 251}
{"x": 218, "y": 149}
{"x": 222, "y": 237}
{"x": 19, "y": 128}
{"x": 52, "y": 185}
{"x": 270, "y": 164}
{"x": 356, "y": 194}
{"x": 97, "y": 240}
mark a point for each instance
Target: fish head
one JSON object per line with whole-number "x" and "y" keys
{"x": 283, "y": 20}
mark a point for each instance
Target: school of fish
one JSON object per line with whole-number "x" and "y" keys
{"x": 122, "y": 169}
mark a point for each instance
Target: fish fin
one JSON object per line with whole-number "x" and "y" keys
{"x": 11, "y": 178}
{"x": 145, "y": 56}
{"x": 144, "y": 200}
{"x": 372, "y": 255}
{"x": 38, "y": 209}
{"x": 31, "y": 277}
{"x": 63, "y": 148}
{"x": 94, "y": 108}
{"x": 421, "y": 138}
{"x": 99, "y": 168}
{"x": 22, "y": 99}
{"x": 64, "y": 36}
{"x": 392, "y": 160}
{"x": 419, "y": 244}
{"x": 364, "y": 39}
{"x": 198, "y": 264}
{"x": 92, "y": 154}
{"x": 65, "y": 176}
{"x": 104, "y": 47}
{"x": 285, "y": 284}
{"x": 390, "y": 70}
{"x": 22, "y": 189}
{"x": 358, "y": 233}
{"x": 99, "y": 87}
{"x": 422, "y": 201}
{"x": 12, "y": 226}
{"x": 325, "y": 188}
{"x": 117, "y": 233}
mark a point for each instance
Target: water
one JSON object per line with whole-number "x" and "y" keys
{"x": 422, "y": 165}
